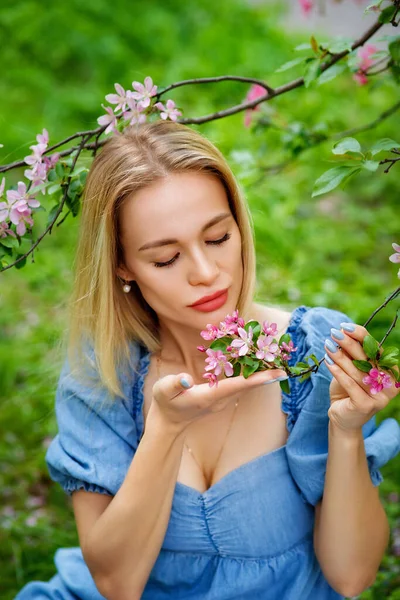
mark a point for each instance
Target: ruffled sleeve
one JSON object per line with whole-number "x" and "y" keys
{"x": 307, "y": 407}
{"x": 97, "y": 435}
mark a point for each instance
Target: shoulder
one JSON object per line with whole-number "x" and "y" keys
{"x": 272, "y": 314}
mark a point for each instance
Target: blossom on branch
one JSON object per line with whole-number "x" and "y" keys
{"x": 144, "y": 92}
{"x": 364, "y": 54}
{"x": 169, "y": 111}
{"x": 256, "y": 91}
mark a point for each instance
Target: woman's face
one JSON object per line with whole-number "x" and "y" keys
{"x": 189, "y": 257}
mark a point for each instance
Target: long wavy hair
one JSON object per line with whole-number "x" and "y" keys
{"x": 101, "y": 315}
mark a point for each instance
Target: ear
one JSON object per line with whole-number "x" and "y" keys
{"x": 125, "y": 274}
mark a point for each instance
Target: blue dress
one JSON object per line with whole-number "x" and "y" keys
{"x": 250, "y": 536}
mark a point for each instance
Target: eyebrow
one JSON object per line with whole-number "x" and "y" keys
{"x": 169, "y": 241}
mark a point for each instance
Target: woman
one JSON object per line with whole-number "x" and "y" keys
{"x": 181, "y": 489}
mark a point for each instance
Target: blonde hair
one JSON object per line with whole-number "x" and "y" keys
{"x": 100, "y": 313}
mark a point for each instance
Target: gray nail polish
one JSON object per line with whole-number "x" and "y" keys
{"x": 278, "y": 379}
{"x": 336, "y": 333}
{"x": 329, "y": 360}
{"x": 348, "y": 326}
{"x": 332, "y": 347}
{"x": 184, "y": 383}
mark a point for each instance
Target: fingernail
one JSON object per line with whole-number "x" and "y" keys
{"x": 337, "y": 334}
{"x": 348, "y": 326}
{"x": 329, "y": 360}
{"x": 332, "y": 347}
{"x": 184, "y": 383}
{"x": 278, "y": 379}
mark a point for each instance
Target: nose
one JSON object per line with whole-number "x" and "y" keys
{"x": 204, "y": 269}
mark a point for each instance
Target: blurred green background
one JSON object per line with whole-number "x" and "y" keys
{"x": 59, "y": 61}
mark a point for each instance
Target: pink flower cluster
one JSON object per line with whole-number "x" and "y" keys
{"x": 18, "y": 207}
{"x": 133, "y": 106}
{"x": 377, "y": 380}
{"x": 265, "y": 349}
{"x": 395, "y": 258}
{"x": 256, "y": 91}
{"x": 40, "y": 165}
{"x": 364, "y": 54}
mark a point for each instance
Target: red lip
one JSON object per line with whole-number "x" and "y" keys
{"x": 208, "y": 298}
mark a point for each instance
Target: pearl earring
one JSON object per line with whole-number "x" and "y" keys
{"x": 126, "y": 288}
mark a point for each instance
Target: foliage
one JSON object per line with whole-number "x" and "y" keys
{"x": 61, "y": 61}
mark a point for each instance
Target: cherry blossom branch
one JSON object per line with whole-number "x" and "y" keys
{"x": 49, "y": 228}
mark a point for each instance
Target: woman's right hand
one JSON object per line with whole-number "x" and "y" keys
{"x": 178, "y": 406}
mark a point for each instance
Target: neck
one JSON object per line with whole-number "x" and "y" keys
{"x": 179, "y": 348}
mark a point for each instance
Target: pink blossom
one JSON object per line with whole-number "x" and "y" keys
{"x": 287, "y": 349}
{"x": 397, "y": 384}
{"x": 21, "y": 194}
{"x": 255, "y": 92}
{"x": 228, "y": 328}
{"x": 233, "y": 317}
{"x": 240, "y": 322}
{"x": 135, "y": 113}
{"x": 119, "y": 98}
{"x": 212, "y": 379}
{"x": 270, "y": 329}
{"x": 168, "y": 112}
{"x": 218, "y": 362}
{"x": 20, "y": 214}
{"x": 267, "y": 349}
{"x": 364, "y": 54}
{"x": 377, "y": 380}
{"x": 245, "y": 342}
{"x": 394, "y": 258}
{"x": 109, "y": 119}
{"x": 210, "y": 333}
{"x": 144, "y": 92}
{"x": 5, "y": 231}
{"x": 201, "y": 348}
{"x": 306, "y": 6}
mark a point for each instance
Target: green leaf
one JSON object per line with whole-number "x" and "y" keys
{"x": 370, "y": 165}
{"x": 390, "y": 351}
{"x": 284, "y": 338}
{"x": 52, "y": 175}
{"x": 60, "y": 170}
{"x": 331, "y": 73}
{"x": 21, "y": 263}
{"x": 289, "y": 65}
{"x": 237, "y": 367}
{"x": 285, "y": 387}
{"x": 304, "y": 377}
{"x": 347, "y": 144}
{"x": 52, "y": 214}
{"x": 220, "y": 344}
{"x": 371, "y": 347}
{"x": 332, "y": 179}
{"x": 304, "y": 365}
{"x": 297, "y": 370}
{"x": 389, "y": 361}
{"x": 53, "y": 188}
{"x": 340, "y": 44}
{"x": 72, "y": 202}
{"x": 312, "y": 71}
{"x": 249, "y": 370}
{"x": 383, "y": 144}
{"x": 83, "y": 176}
{"x": 387, "y": 14}
{"x": 9, "y": 242}
{"x": 303, "y": 47}
{"x": 362, "y": 365}
{"x": 394, "y": 49}
{"x": 315, "y": 359}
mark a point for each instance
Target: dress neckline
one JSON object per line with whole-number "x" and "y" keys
{"x": 138, "y": 394}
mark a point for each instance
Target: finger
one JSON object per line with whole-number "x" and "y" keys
{"x": 361, "y": 401}
{"x": 351, "y": 342}
{"x": 235, "y": 385}
{"x": 342, "y": 360}
{"x": 171, "y": 386}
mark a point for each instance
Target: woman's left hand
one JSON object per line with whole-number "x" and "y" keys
{"x": 352, "y": 403}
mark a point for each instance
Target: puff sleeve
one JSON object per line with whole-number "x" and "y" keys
{"x": 97, "y": 436}
{"x": 307, "y": 407}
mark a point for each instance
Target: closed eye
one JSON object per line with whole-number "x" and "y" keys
{"x": 170, "y": 263}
